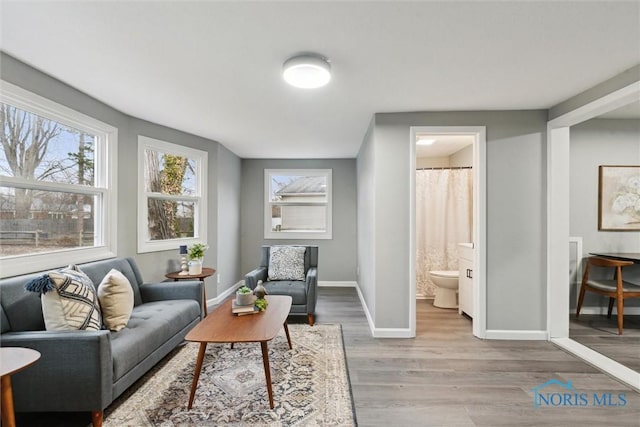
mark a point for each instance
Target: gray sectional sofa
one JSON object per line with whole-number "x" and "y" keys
{"x": 87, "y": 370}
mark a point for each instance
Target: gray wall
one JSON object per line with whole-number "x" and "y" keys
{"x": 617, "y": 82}
{"x": 516, "y": 214}
{"x": 337, "y": 256}
{"x": 366, "y": 241}
{"x": 594, "y": 143}
{"x": 153, "y": 265}
{"x": 229, "y": 179}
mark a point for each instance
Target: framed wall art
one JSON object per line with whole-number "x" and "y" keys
{"x": 619, "y": 198}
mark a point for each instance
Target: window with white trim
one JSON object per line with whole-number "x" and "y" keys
{"x": 57, "y": 184}
{"x": 297, "y": 204}
{"x": 172, "y": 188}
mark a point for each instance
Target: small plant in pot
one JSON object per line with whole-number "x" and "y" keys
{"x": 244, "y": 296}
{"x": 196, "y": 253}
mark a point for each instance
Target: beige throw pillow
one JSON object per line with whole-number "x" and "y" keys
{"x": 116, "y": 300}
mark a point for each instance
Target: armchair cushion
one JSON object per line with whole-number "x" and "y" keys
{"x": 286, "y": 263}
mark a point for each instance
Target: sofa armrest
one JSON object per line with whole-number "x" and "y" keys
{"x": 312, "y": 285}
{"x": 163, "y": 291}
{"x": 251, "y": 279}
{"x": 74, "y": 372}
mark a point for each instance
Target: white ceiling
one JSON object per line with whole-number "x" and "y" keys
{"x": 213, "y": 68}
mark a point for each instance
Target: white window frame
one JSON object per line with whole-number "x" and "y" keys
{"x": 309, "y": 235}
{"x": 145, "y": 244}
{"x": 105, "y": 186}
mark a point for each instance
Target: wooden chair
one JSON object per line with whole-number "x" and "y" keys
{"x": 616, "y": 289}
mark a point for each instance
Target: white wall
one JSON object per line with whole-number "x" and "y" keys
{"x": 462, "y": 158}
{"x": 516, "y": 212}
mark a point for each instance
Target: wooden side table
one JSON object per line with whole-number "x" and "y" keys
{"x": 13, "y": 360}
{"x": 206, "y": 272}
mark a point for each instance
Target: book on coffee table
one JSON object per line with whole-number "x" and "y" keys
{"x": 244, "y": 313}
{"x": 245, "y": 309}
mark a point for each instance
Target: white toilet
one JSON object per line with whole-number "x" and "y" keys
{"x": 447, "y": 288}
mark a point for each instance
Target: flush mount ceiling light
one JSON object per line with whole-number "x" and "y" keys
{"x": 307, "y": 71}
{"x": 425, "y": 141}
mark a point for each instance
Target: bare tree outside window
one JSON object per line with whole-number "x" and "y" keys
{"x": 37, "y": 149}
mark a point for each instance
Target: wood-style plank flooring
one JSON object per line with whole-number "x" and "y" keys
{"x": 601, "y": 334}
{"x": 445, "y": 376}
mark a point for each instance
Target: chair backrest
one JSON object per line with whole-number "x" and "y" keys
{"x": 607, "y": 262}
{"x": 597, "y": 261}
{"x": 310, "y": 256}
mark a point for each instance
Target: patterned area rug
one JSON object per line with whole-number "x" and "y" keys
{"x": 310, "y": 385}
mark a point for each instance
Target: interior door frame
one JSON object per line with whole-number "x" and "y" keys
{"x": 479, "y": 221}
{"x": 558, "y": 205}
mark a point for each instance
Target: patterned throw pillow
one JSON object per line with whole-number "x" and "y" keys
{"x": 286, "y": 263}
{"x": 69, "y": 300}
{"x": 116, "y": 300}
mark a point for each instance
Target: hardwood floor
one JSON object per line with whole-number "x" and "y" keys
{"x": 601, "y": 334}
{"x": 446, "y": 377}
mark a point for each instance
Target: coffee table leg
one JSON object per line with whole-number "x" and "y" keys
{"x": 8, "y": 416}
{"x": 286, "y": 331}
{"x": 267, "y": 371}
{"x": 196, "y": 372}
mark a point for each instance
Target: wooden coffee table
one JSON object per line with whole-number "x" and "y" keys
{"x": 13, "y": 360}
{"x": 222, "y": 326}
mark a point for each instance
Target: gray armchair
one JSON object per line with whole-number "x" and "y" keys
{"x": 304, "y": 293}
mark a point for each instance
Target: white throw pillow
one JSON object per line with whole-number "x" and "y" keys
{"x": 116, "y": 300}
{"x": 73, "y": 304}
{"x": 286, "y": 263}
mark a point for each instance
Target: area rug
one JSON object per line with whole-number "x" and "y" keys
{"x": 310, "y": 385}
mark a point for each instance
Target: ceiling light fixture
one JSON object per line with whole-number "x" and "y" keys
{"x": 307, "y": 71}
{"x": 425, "y": 141}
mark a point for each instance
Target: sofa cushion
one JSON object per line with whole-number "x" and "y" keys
{"x": 116, "y": 300}
{"x": 151, "y": 325}
{"x": 296, "y": 289}
{"x": 98, "y": 269}
{"x": 286, "y": 263}
{"x": 69, "y": 300}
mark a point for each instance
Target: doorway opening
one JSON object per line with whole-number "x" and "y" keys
{"x": 447, "y": 220}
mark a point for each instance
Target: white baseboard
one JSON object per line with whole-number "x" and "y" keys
{"x": 336, "y": 284}
{"x": 423, "y": 296}
{"x": 227, "y": 292}
{"x": 497, "y": 334}
{"x": 393, "y": 333}
{"x": 381, "y": 332}
{"x": 603, "y": 310}
{"x": 609, "y": 366}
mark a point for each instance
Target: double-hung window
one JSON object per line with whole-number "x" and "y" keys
{"x": 57, "y": 184}
{"x": 297, "y": 204}
{"x": 172, "y": 192}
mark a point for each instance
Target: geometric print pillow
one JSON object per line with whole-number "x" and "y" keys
{"x": 286, "y": 263}
{"x": 73, "y": 305}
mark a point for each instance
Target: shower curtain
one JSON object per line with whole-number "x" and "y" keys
{"x": 444, "y": 218}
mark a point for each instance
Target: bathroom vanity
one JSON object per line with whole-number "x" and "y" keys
{"x": 465, "y": 280}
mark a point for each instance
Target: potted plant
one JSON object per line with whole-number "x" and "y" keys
{"x": 196, "y": 254}
{"x": 244, "y": 296}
